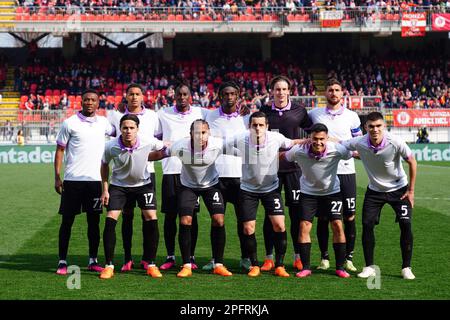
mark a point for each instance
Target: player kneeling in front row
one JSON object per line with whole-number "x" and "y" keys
{"x": 130, "y": 181}
{"x": 320, "y": 194}
{"x": 199, "y": 177}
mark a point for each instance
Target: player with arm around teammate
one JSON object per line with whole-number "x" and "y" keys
{"x": 174, "y": 124}
{"x": 342, "y": 124}
{"x": 130, "y": 182}
{"x": 199, "y": 178}
{"x": 148, "y": 125}
{"x": 320, "y": 194}
{"x": 258, "y": 149}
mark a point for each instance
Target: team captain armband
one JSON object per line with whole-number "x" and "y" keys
{"x": 356, "y": 132}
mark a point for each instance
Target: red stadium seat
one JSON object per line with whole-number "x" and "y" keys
{"x": 179, "y": 17}
{"x": 23, "y": 99}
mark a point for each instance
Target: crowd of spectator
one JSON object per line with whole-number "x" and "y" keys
{"x": 402, "y": 80}
{"x": 222, "y": 9}
{"x": 109, "y": 73}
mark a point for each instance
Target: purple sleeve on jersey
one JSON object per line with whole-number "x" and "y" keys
{"x": 59, "y": 143}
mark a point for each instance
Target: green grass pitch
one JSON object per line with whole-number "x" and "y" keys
{"x": 29, "y": 245}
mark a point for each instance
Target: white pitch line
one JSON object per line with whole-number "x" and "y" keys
{"x": 431, "y": 166}
{"x": 431, "y": 198}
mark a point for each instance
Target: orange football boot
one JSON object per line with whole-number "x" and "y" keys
{"x": 254, "y": 271}
{"x": 268, "y": 265}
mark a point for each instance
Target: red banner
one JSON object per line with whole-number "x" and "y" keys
{"x": 440, "y": 21}
{"x": 356, "y": 102}
{"x": 421, "y": 118}
{"x": 331, "y": 19}
{"x": 413, "y": 24}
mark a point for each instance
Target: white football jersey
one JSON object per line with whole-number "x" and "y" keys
{"x": 259, "y": 162}
{"x": 84, "y": 142}
{"x": 198, "y": 169}
{"x": 129, "y": 167}
{"x": 343, "y": 125}
{"x": 148, "y": 126}
{"x": 227, "y": 127}
{"x": 174, "y": 126}
{"x": 383, "y": 164}
{"x": 319, "y": 172}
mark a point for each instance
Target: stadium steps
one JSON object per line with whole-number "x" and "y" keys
{"x": 320, "y": 79}
{"x": 7, "y": 10}
{"x": 10, "y": 98}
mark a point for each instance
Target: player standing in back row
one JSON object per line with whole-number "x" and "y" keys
{"x": 226, "y": 122}
{"x": 342, "y": 124}
{"x": 82, "y": 139}
{"x": 148, "y": 125}
{"x": 286, "y": 117}
{"x": 174, "y": 124}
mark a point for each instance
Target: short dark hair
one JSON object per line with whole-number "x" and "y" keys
{"x": 89, "y": 91}
{"x": 318, "y": 127}
{"x": 374, "y": 116}
{"x": 181, "y": 85}
{"x": 258, "y": 114}
{"x": 196, "y": 121}
{"x": 279, "y": 78}
{"x": 332, "y": 82}
{"x": 131, "y": 117}
{"x": 227, "y": 84}
{"x": 134, "y": 85}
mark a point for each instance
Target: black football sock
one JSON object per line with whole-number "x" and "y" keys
{"x": 368, "y": 242}
{"x": 127, "y": 234}
{"x": 184, "y": 240}
{"x": 65, "y": 231}
{"x": 305, "y": 255}
{"x": 194, "y": 233}
{"x": 240, "y": 232}
{"x": 218, "y": 239}
{"x": 295, "y": 227}
{"x": 93, "y": 230}
{"x": 406, "y": 243}
{"x": 268, "y": 235}
{"x": 109, "y": 239}
{"x": 280, "y": 240}
{"x": 350, "y": 236}
{"x": 339, "y": 253}
{"x": 151, "y": 239}
{"x": 251, "y": 247}
{"x": 170, "y": 232}
{"x": 322, "y": 238}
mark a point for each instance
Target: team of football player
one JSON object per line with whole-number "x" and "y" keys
{"x": 229, "y": 156}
